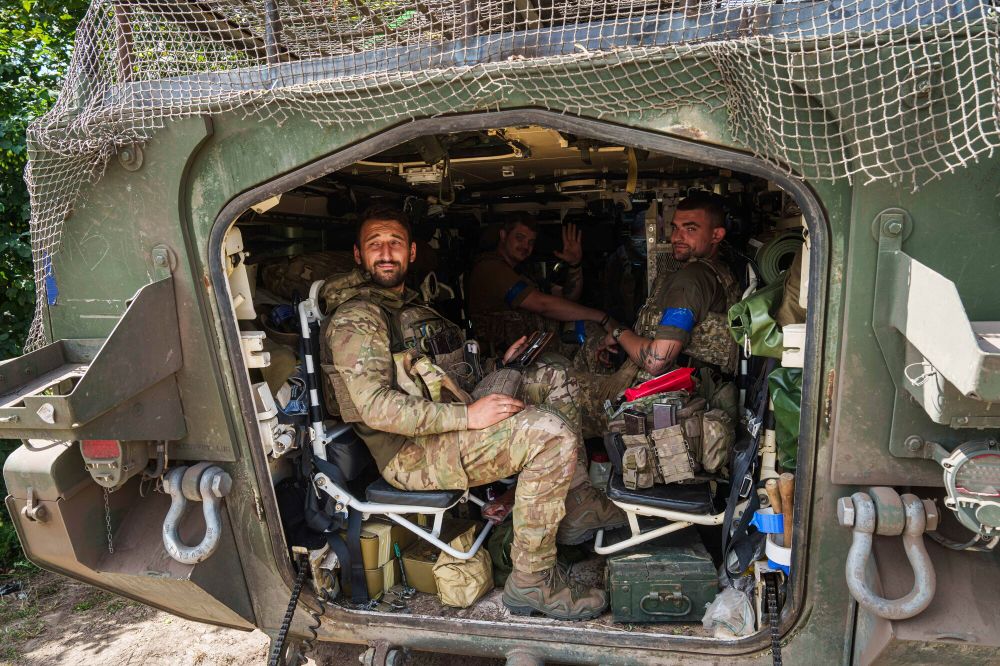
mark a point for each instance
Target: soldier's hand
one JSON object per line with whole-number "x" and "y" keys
{"x": 572, "y": 252}
{"x": 607, "y": 347}
{"x": 515, "y": 348}
{"x": 492, "y": 409}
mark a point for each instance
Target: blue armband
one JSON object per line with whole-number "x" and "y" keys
{"x": 513, "y": 292}
{"x": 682, "y": 318}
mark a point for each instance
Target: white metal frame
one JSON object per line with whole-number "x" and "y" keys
{"x": 680, "y": 520}
{"x": 395, "y": 512}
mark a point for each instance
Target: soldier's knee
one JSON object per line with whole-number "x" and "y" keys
{"x": 552, "y": 435}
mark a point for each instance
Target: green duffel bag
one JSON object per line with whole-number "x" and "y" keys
{"x": 785, "y": 385}
{"x": 752, "y": 325}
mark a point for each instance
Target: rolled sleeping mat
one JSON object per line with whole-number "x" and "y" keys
{"x": 776, "y": 255}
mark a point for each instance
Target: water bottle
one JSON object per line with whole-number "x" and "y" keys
{"x": 600, "y": 470}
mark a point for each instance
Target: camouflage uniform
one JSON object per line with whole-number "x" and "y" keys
{"x": 706, "y": 289}
{"x": 423, "y": 445}
{"x": 288, "y": 278}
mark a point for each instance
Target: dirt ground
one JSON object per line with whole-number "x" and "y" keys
{"x": 55, "y": 621}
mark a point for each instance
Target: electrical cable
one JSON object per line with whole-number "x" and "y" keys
{"x": 976, "y": 543}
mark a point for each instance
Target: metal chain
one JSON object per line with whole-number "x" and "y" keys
{"x": 107, "y": 521}
{"x": 771, "y": 592}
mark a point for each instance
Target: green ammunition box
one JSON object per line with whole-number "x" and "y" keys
{"x": 662, "y": 583}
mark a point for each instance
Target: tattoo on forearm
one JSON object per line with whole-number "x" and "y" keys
{"x": 648, "y": 356}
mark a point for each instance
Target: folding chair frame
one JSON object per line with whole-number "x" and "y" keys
{"x": 680, "y": 520}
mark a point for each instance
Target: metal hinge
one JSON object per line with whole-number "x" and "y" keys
{"x": 32, "y": 511}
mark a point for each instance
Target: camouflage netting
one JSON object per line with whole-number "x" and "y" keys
{"x": 867, "y": 89}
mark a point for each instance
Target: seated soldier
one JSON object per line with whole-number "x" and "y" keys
{"x": 505, "y": 303}
{"x": 684, "y": 317}
{"x": 424, "y": 444}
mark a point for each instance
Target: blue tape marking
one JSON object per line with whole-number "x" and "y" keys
{"x": 51, "y": 288}
{"x": 512, "y": 293}
{"x": 768, "y": 523}
{"x": 682, "y": 318}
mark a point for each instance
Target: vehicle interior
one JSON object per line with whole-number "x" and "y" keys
{"x": 458, "y": 190}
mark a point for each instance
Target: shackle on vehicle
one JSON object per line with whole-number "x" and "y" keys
{"x": 205, "y": 483}
{"x": 889, "y": 514}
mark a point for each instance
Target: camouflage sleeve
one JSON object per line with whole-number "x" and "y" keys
{"x": 687, "y": 301}
{"x": 496, "y": 282}
{"x": 359, "y": 345}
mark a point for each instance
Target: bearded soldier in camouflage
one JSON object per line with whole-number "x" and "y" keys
{"x": 684, "y": 316}
{"x": 424, "y": 444}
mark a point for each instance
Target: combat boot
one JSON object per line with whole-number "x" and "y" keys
{"x": 552, "y": 593}
{"x": 587, "y": 510}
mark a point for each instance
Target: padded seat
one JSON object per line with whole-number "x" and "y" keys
{"x": 381, "y": 492}
{"x": 689, "y": 498}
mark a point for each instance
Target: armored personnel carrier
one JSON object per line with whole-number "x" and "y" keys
{"x": 205, "y": 166}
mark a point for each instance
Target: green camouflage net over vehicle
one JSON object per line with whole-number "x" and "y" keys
{"x": 861, "y": 89}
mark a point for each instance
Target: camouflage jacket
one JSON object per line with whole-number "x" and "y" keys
{"x": 358, "y": 359}
{"x": 691, "y": 305}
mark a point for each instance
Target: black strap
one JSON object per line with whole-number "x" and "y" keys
{"x": 348, "y": 553}
{"x": 744, "y": 540}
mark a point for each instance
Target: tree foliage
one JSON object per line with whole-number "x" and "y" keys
{"x": 36, "y": 40}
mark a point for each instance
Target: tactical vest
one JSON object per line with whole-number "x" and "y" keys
{"x": 711, "y": 341}
{"x": 427, "y": 349}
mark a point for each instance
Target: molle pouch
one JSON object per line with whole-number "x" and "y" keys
{"x": 642, "y": 441}
{"x": 689, "y": 418}
{"x": 635, "y": 422}
{"x": 673, "y": 459}
{"x": 446, "y": 341}
{"x": 637, "y": 470}
{"x": 423, "y": 328}
{"x": 718, "y": 435}
{"x": 505, "y": 381}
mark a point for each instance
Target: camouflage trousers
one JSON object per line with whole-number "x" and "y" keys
{"x": 541, "y": 443}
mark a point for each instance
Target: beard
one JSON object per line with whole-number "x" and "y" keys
{"x": 391, "y": 279}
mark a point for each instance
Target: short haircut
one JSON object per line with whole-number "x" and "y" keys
{"x": 382, "y": 211}
{"x": 519, "y": 218}
{"x": 709, "y": 202}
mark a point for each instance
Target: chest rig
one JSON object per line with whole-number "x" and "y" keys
{"x": 427, "y": 354}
